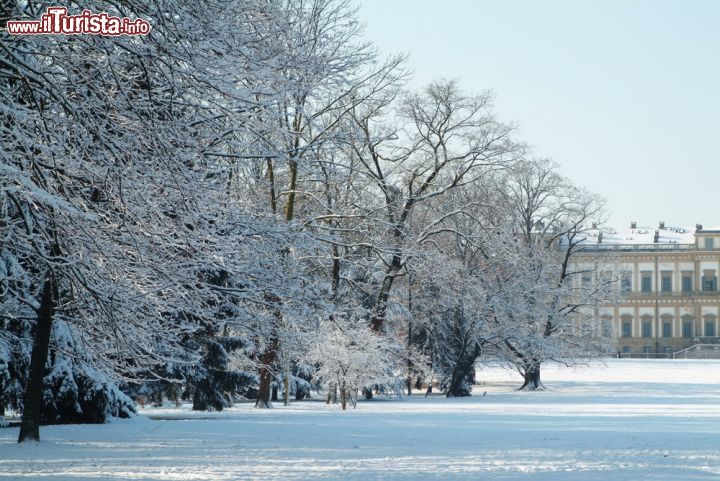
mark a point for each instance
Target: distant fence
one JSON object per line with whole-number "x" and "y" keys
{"x": 646, "y": 355}
{"x": 696, "y": 351}
{"x": 699, "y": 351}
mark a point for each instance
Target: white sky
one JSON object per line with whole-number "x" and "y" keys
{"x": 624, "y": 94}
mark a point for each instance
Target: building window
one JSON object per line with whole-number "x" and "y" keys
{"x": 710, "y": 328}
{"x": 709, "y": 243}
{"x": 687, "y": 329}
{"x": 709, "y": 283}
{"x": 607, "y": 326}
{"x": 647, "y": 329}
{"x": 647, "y": 349}
{"x": 687, "y": 283}
{"x": 626, "y": 349}
{"x": 666, "y": 285}
{"x": 667, "y": 329}
{"x": 626, "y": 283}
{"x": 646, "y": 284}
{"x": 627, "y": 329}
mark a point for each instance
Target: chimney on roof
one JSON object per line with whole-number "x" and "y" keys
{"x": 698, "y": 227}
{"x": 656, "y": 239}
{"x": 633, "y": 225}
{"x": 662, "y": 225}
{"x": 594, "y": 225}
{"x": 600, "y": 238}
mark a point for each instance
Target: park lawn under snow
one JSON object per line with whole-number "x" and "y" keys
{"x": 624, "y": 420}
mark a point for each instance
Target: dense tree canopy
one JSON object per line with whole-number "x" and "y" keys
{"x": 249, "y": 201}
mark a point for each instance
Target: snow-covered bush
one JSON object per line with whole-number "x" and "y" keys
{"x": 76, "y": 392}
{"x": 349, "y": 358}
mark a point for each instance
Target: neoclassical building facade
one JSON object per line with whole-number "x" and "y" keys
{"x": 667, "y": 286}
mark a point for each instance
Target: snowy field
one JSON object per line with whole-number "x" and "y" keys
{"x": 625, "y": 420}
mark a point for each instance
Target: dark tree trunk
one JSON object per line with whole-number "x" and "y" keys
{"x": 264, "y": 395}
{"x": 33, "y": 397}
{"x": 200, "y": 402}
{"x": 378, "y": 319}
{"x": 274, "y": 396}
{"x": 332, "y": 394}
{"x": 343, "y": 396}
{"x": 302, "y": 390}
{"x": 2, "y": 399}
{"x": 409, "y": 380}
{"x": 463, "y": 376}
{"x": 271, "y": 178}
{"x": 532, "y": 378}
{"x": 335, "y": 270}
{"x": 268, "y": 358}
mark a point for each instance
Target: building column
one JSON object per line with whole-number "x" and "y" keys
{"x": 637, "y": 323}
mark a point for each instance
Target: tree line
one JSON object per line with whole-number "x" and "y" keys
{"x": 250, "y": 202}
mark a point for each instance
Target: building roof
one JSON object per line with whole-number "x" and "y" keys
{"x": 642, "y": 235}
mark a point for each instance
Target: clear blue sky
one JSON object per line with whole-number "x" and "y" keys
{"x": 623, "y": 94}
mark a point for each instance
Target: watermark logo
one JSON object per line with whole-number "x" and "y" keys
{"x": 56, "y": 21}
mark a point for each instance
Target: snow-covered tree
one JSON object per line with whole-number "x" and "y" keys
{"x": 546, "y": 303}
{"x": 114, "y": 202}
{"x": 348, "y": 356}
{"x": 446, "y": 139}
{"x": 247, "y": 197}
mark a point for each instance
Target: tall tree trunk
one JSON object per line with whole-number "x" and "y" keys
{"x": 335, "y": 270}
{"x": 290, "y": 207}
{"x": 271, "y": 178}
{"x": 332, "y": 394}
{"x": 343, "y": 396}
{"x": 381, "y": 302}
{"x": 33, "y": 397}
{"x": 532, "y": 378}
{"x": 269, "y": 356}
{"x": 409, "y": 339}
{"x": 463, "y": 375}
{"x": 264, "y": 395}
{"x": 286, "y": 400}
{"x": 378, "y": 318}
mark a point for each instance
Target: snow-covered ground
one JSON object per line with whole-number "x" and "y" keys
{"x": 624, "y": 420}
